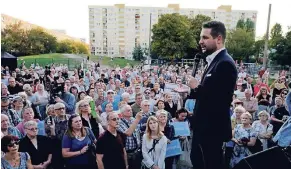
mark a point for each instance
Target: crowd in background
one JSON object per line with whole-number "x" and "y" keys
{"x": 122, "y": 118}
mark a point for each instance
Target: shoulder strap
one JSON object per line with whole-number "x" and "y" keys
{"x": 155, "y": 142}
{"x": 89, "y": 134}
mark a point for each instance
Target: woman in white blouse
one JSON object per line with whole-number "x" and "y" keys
{"x": 154, "y": 145}
{"x": 263, "y": 128}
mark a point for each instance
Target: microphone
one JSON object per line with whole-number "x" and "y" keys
{"x": 197, "y": 59}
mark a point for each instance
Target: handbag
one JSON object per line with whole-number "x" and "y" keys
{"x": 91, "y": 149}
{"x": 257, "y": 147}
{"x": 184, "y": 159}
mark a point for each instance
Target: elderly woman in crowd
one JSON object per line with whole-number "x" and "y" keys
{"x": 154, "y": 145}
{"x": 263, "y": 128}
{"x": 37, "y": 146}
{"x": 168, "y": 131}
{"x": 7, "y": 129}
{"x": 244, "y": 136}
{"x": 236, "y": 117}
{"x": 27, "y": 115}
{"x": 83, "y": 108}
{"x": 18, "y": 105}
{"x": 131, "y": 93}
{"x": 43, "y": 98}
{"x": 13, "y": 158}
{"x": 77, "y": 145}
{"x": 108, "y": 109}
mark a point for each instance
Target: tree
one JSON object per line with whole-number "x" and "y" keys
{"x": 172, "y": 36}
{"x": 240, "y": 44}
{"x": 276, "y": 35}
{"x": 138, "y": 53}
{"x": 247, "y": 25}
{"x": 40, "y": 41}
{"x": 258, "y": 48}
{"x": 14, "y": 39}
{"x": 283, "y": 50}
{"x": 196, "y": 26}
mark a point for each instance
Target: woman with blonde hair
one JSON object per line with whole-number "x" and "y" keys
{"x": 43, "y": 98}
{"x": 264, "y": 100}
{"x": 263, "y": 128}
{"x": 154, "y": 145}
{"x": 244, "y": 137}
{"x": 84, "y": 110}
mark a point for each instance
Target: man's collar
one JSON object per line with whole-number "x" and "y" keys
{"x": 211, "y": 57}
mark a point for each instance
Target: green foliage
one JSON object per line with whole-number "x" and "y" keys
{"x": 196, "y": 26}
{"x": 283, "y": 47}
{"x": 138, "y": 53}
{"x": 36, "y": 41}
{"x": 276, "y": 35}
{"x": 240, "y": 44}
{"x": 172, "y": 36}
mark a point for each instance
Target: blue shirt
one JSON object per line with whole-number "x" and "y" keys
{"x": 69, "y": 102}
{"x": 288, "y": 102}
{"x": 115, "y": 105}
{"x": 76, "y": 145}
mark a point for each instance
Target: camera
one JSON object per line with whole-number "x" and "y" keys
{"x": 57, "y": 89}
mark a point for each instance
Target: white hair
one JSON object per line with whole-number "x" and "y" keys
{"x": 143, "y": 102}
{"x": 26, "y": 87}
{"x": 124, "y": 95}
{"x": 124, "y": 108}
{"x": 58, "y": 105}
{"x": 30, "y": 123}
{"x": 161, "y": 112}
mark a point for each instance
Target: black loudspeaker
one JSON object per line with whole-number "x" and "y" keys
{"x": 273, "y": 158}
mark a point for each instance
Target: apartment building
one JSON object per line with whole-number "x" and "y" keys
{"x": 116, "y": 30}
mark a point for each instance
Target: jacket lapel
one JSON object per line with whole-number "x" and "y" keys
{"x": 213, "y": 63}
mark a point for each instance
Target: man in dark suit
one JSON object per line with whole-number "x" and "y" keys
{"x": 211, "y": 121}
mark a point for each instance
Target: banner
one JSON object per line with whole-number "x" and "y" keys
{"x": 181, "y": 129}
{"x": 174, "y": 148}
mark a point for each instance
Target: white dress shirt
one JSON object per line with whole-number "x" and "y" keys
{"x": 211, "y": 57}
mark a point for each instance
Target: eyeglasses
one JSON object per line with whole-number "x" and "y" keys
{"x": 115, "y": 119}
{"x": 33, "y": 129}
{"x": 110, "y": 93}
{"x": 85, "y": 105}
{"x": 13, "y": 143}
{"x": 147, "y": 105}
{"x": 61, "y": 108}
{"x": 147, "y": 93}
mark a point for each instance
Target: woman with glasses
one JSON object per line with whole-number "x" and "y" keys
{"x": 263, "y": 128}
{"x": 37, "y": 146}
{"x": 12, "y": 158}
{"x": 244, "y": 136}
{"x": 154, "y": 145}
{"x": 77, "y": 145}
{"x": 84, "y": 110}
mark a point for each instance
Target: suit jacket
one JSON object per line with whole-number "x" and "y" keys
{"x": 211, "y": 119}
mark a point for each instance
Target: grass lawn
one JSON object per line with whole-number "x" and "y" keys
{"x": 116, "y": 61}
{"x": 43, "y": 59}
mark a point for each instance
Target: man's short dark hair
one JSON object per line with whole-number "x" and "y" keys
{"x": 217, "y": 28}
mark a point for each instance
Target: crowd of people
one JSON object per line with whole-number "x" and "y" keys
{"x": 122, "y": 118}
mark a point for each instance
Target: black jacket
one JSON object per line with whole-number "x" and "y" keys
{"x": 211, "y": 120}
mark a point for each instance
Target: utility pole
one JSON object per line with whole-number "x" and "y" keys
{"x": 150, "y": 35}
{"x": 265, "y": 64}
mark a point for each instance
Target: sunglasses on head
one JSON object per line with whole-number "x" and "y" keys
{"x": 13, "y": 143}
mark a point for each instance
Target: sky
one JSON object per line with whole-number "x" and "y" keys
{"x": 73, "y": 15}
